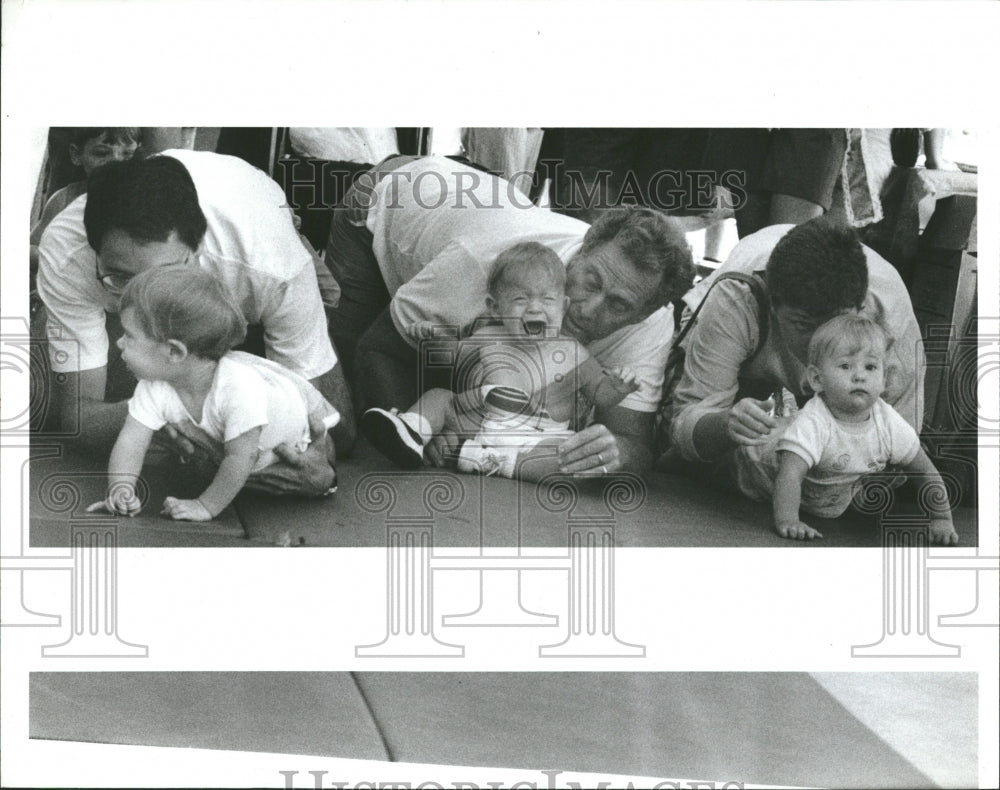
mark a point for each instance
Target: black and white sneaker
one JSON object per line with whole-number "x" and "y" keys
{"x": 392, "y": 437}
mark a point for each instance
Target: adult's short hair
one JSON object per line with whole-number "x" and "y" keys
{"x": 818, "y": 267}
{"x": 652, "y": 242}
{"x": 184, "y": 302}
{"x": 80, "y": 135}
{"x": 525, "y": 257}
{"x": 146, "y": 198}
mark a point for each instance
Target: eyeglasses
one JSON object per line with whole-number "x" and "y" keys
{"x": 115, "y": 282}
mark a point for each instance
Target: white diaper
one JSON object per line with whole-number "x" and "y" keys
{"x": 501, "y": 439}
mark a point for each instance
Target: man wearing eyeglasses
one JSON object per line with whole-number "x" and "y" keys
{"x": 181, "y": 207}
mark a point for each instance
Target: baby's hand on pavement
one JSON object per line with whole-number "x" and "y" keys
{"x": 121, "y": 500}
{"x": 943, "y": 532}
{"x": 185, "y": 510}
{"x": 796, "y": 530}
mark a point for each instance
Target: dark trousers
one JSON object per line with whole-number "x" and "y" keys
{"x": 393, "y": 374}
{"x": 363, "y": 294}
{"x": 383, "y": 368}
{"x": 669, "y": 169}
{"x": 313, "y": 188}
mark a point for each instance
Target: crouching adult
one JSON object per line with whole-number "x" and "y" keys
{"x": 745, "y": 349}
{"x": 193, "y": 208}
{"x": 420, "y": 242}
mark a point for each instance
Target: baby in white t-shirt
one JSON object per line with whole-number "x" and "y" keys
{"x": 846, "y": 431}
{"x": 179, "y": 329}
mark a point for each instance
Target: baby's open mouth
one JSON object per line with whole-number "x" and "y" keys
{"x": 535, "y": 327}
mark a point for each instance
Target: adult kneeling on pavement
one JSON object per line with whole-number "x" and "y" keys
{"x": 420, "y": 236}
{"x": 200, "y": 209}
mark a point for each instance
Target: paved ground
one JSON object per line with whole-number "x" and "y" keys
{"x": 662, "y": 510}
{"x": 762, "y": 728}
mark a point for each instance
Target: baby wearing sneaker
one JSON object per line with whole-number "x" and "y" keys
{"x": 846, "y": 431}
{"x": 524, "y": 383}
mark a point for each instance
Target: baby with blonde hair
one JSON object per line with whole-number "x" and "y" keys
{"x": 180, "y": 328}
{"x": 846, "y": 431}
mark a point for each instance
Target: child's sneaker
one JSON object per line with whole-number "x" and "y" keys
{"x": 392, "y": 437}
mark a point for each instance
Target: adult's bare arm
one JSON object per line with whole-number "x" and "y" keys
{"x": 724, "y": 337}
{"x": 621, "y": 441}
{"x": 78, "y": 399}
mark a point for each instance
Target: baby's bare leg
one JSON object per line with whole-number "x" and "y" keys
{"x": 433, "y": 406}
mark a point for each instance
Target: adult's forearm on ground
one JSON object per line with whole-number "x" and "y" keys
{"x": 634, "y": 433}
{"x": 636, "y": 454}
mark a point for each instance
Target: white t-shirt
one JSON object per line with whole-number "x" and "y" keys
{"x": 840, "y": 453}
{"x": 367, "y": 145}
{"x": 643, "y": 348}
{"x": 250, "y": 246}
{"x": 437, "y": 228}
{"x": 247, "y": 392}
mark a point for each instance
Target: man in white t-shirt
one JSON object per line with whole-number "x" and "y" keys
{"x": 424, "y": 233}
{"x": 213, "y": 211}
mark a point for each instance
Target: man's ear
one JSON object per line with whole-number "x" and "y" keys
{"x": 812, "y": 376}
{"x": 75, "y": 154}
{"x": 491, "y": 304}
{"x": 177, "y": 350}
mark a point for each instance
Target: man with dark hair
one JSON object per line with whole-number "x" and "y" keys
{"x": 424, "y": 233}
{"x": 813, "y": 272}
{"x": 148, "y": 200}
{"x": 196, "y": 208}
{"x": 820, "y": 268}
